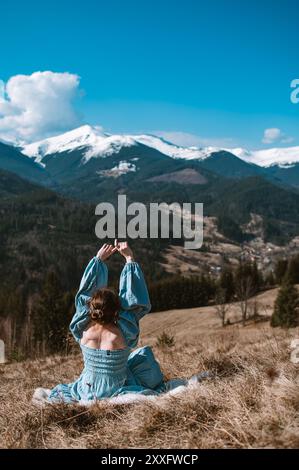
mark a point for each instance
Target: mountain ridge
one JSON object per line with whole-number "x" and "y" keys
{"x": 143, "y": 171}
{"x": 99, "y": 143}
{"x": 87, "y": 143}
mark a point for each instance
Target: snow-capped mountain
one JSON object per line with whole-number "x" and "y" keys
{"x": 97, "y": 143}
{"x": 80, "y": 154}
{"x": 90, "y": 147}
{"x": 279, "y": 164}
{"x": 91, "y": 139}
{"x": 282, "y": 157}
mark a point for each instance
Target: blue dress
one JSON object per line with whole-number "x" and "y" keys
{"x": 110, "y": 373}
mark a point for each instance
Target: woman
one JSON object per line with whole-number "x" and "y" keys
{"x": 106, "y": 326}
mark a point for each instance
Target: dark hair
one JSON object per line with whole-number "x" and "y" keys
{"x": 104, "y": 306}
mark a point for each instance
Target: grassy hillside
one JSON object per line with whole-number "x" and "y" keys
{"x": 252, "y": 400}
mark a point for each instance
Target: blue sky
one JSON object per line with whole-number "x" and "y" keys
{"x": 214, "y": 72}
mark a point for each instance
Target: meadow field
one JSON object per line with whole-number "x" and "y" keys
{"x": 251, "y": 399}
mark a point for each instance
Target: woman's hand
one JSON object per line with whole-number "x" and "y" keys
{"x": 124, "y": 249}
{"x": 106, "y": 251}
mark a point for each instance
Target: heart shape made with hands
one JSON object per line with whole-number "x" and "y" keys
{"x": 122, "y": 247}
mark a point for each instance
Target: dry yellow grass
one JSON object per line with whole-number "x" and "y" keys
{"x": 252, "y": 401}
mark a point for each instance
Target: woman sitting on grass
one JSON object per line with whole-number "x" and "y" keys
{"x": 106, "y": 326}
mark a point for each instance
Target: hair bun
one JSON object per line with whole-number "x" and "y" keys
{"x": 96, "y": 314}
{"x": 104, "y": 306}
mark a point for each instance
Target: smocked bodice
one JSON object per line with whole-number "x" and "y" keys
{"x": 103, "y": 361}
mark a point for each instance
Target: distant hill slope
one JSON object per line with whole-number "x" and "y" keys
{"x": 226, "y": 164}
{"x": 278, "y": 207}
{"x": 160, "y": 178}
{"x": 189, "y": 322}
{"x": 11, "y": 159}
{"x": 288, "y": 174}
{"x": 41, "y": 230}
{"x": 232, "y": 202}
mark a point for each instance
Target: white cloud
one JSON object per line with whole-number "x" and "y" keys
{"x": 271, "y": 135}
{"x": 35, "y": 106}
{"x": 186, "y": 139}
{"x": 275, "y": 135}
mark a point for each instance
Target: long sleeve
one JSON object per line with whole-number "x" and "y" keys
{"x": 95, "y": 276}
{"x": 135, "y": 302}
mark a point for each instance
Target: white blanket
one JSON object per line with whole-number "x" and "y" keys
{"x": 40, "y": 396}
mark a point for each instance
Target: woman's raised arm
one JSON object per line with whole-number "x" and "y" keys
{"x": 133, "y": 295}
{"x": 133, "y": 291}
{"x": 95, "y": 276}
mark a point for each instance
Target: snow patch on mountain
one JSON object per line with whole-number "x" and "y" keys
{"x": 174, "y": 151}
{"x": 282, "y": 157}
{"x": 8, "y": 142}
{"x": 122, "y": 168}
{"x": 241, "y": 153}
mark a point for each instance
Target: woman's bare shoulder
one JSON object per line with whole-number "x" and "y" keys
{"x": 91, "y": 333}
{"x": 103, "y": 337}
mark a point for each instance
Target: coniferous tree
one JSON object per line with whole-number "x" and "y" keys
{"x": 292, "y": 272}
{"x": 50, "y": 315}
{"x": 270, "y": 280}
{"x": 226, "y": 283}
{"x": 280, "y": 270}
{"x": 181, "y": 292}
{"x": 286, "y": 307}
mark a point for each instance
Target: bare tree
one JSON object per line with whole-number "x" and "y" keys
{"x": 244, "y": 290}
{"x": 253, "y": 310}
{"x": 222, "y": 306}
